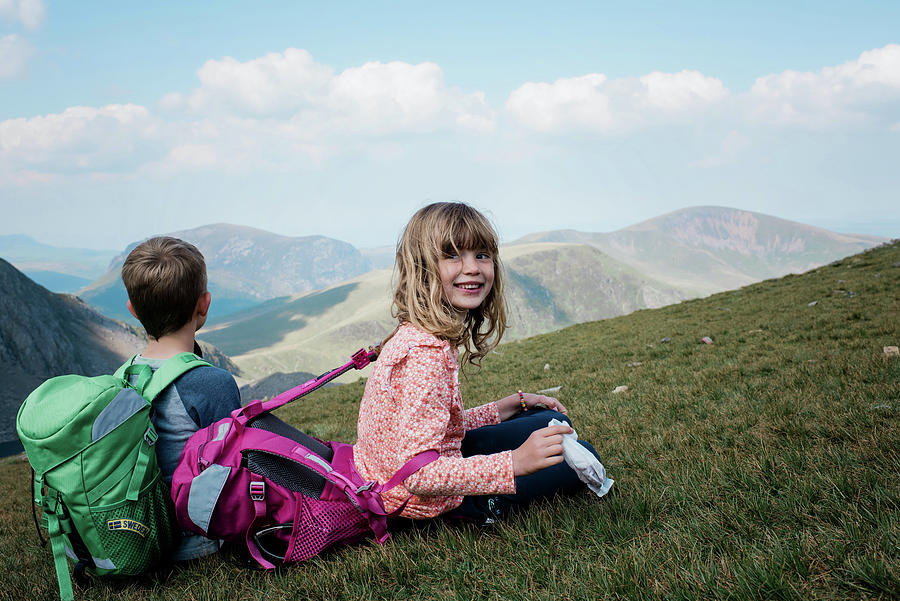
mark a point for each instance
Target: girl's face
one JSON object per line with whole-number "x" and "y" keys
{"x": 466, "y": 278}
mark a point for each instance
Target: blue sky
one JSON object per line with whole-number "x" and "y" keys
{"x": 122, "y": 120}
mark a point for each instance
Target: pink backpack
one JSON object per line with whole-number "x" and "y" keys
{"x": 254, "y": 478}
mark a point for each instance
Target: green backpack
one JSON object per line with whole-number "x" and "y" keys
{"x": 90, "y": 442}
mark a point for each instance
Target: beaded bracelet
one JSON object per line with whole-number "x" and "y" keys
{"x": 522, "y": 401}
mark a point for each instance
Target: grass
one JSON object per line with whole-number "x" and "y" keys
{"x": 762, "y": 466}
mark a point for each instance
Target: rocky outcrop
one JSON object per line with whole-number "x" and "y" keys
{"x": 44, "y": 334}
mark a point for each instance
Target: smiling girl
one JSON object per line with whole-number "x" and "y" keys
{"x": 492, "y": 458}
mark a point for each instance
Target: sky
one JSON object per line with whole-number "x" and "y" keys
{"x": 123, "y": 120}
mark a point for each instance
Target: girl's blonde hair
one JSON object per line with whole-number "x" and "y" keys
{"x": 435, "y": 231}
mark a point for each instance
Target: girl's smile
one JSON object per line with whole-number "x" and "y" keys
{"x": 466, "y": 278}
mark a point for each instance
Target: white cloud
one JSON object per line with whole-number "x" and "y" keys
{"x": 29, "y": 12}
{"x": 14, "y": 55}
{"x": 597, "y": 104}
{"x": 374, "y": 98}
{"x": 194, "y": 155}
{"x": 858, "y": 92}
{"x": 79, "y": 138}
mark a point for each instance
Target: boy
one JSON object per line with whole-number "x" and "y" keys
{"x": 166, "y": 282}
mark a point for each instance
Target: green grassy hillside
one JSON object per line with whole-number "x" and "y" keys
{"x": 762, "y": 466}
{"x": 549, "y": 286}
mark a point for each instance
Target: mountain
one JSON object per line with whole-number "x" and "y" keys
{"x": 245, "y": 266}
{"x": 702, "y": 250}
{"x": 548, "y": 287}
{"x": 57, "y": 268}
{"x": 44, "y": 334}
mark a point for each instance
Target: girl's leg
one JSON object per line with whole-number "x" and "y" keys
{"x": 506, "y": 436}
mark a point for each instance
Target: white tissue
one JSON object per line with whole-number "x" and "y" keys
{"x": 589, "y": 470}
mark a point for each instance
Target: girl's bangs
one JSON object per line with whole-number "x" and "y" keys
{"x": 470, "y": 235}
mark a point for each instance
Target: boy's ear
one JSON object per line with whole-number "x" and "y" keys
{"x": 131, "y": 309}
{"x": 203, "y": 304}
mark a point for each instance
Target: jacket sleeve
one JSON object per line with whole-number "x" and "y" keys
{"x": 208, "y": 394}
{"x": 425, "y": 405}
{"x": 483, "y": 415}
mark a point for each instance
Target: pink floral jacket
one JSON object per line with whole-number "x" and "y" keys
{"x": 412, "y": 404}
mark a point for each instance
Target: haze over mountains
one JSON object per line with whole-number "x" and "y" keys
{"x": 554, "y": 279}
{"x": 702, "y": 250}
{"x": 59, "y": 269}
{"x": 299, "y": 305}
{"x": 245, "y": 267}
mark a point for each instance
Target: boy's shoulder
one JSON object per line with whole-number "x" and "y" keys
{"x": 209, "y": 390}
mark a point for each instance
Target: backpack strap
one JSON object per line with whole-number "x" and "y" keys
{"x": 57, "y": 525}
{"x": 149, "y": 384}
{"x": 409, "y": 468}
{"x": 358, "y": 360}
{"x": 170, "y": 371}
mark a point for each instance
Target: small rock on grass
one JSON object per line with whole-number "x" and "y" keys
{"x": 620, "y": 389}
{"x": 706, "y": 340}
{"x": 812, "y": 303}
{"x": 635, "y": 364}
{"x": 546, "y": 367}
{"x": 665, "y": 340}
{"x": 891, "y": 351}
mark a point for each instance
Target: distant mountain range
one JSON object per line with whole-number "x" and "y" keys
{"x": 555, "y": 279}
{"x": 702, "y": 250}
{"x": 245, "y": 267}
{"x": 549, "y": 286}
{"x": 57, "y": 268}
{"x": 298, "y": 305}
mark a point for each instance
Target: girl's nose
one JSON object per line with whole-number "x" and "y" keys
{"x": 470, "y": 264}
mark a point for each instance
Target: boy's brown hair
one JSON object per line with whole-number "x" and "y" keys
{"x": 164, "y": 277}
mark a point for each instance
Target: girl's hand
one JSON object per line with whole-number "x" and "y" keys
{"x": 509, "y": 406}
{"x": 542, "y": 449}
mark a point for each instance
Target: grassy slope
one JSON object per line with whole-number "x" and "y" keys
{"x": 761, "y": 466}
{"x": 548, "y": 286}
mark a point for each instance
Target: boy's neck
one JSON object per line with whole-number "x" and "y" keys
{"x": 170, "y": 345}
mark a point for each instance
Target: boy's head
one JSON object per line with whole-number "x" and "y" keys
{"x": 165, "y": 278}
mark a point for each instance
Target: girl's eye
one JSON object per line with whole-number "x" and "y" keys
{"x": 483, "y": 256}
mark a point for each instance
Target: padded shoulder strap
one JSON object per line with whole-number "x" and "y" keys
{"x": 169, "y": 372}
{"x": 120, "y": 373}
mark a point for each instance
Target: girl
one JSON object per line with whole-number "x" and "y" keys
{"x": 493, "y": 458}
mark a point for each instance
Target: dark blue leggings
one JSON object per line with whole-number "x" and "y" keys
{"x": 506, "y": 436}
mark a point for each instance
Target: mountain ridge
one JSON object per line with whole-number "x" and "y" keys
{"x": 708, "y": 249}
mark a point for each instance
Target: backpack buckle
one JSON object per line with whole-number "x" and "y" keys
{"x": 150, "y": 436}
{"x": 360, "y": 358}
{"x": 257, "y": 490}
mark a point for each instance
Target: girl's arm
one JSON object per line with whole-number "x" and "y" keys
{"x": 511, "y": 405}
{"x": 422, "y": 418}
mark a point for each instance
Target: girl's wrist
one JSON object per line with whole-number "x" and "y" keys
{"x": 521, "y": 398}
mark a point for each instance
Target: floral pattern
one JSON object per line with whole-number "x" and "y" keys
{"x": 411, "y": 404}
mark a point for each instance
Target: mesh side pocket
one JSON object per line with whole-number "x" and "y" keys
{"x": 289, "y": 474}
{"x": 270, "y": 423}
{"x": 136, "y": 535}
{"x": 321, "y": 524}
